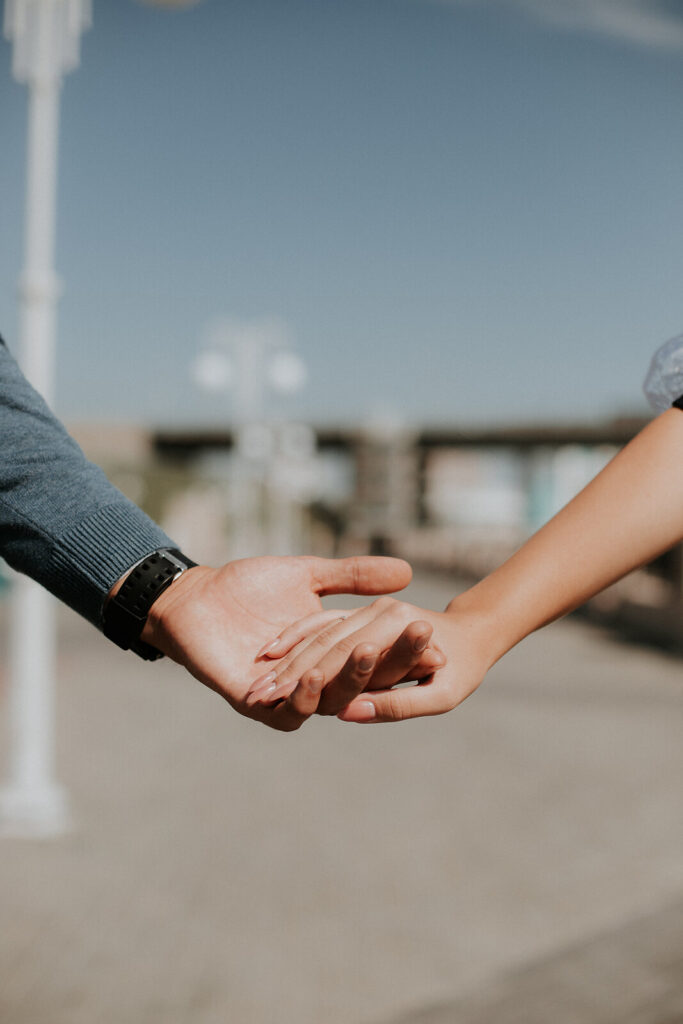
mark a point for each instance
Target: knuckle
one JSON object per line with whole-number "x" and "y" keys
{"x": 341, "y": 646}
{"x": 345, "y": 646}
{"x": 400, "y": 613}
{"x": 327, "y": 635}
{"x": 395, "y": 708}
{"x": 384, "y": 603}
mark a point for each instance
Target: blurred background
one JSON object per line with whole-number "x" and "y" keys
{"x": 361, "y": 276}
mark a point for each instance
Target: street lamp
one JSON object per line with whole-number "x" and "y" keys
{"x": 247, "y": 359}
{"x": 46, "y": 36}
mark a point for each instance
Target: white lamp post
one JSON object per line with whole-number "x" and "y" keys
{"x": 247, "y": 358}
{"x": 46, "y": 35}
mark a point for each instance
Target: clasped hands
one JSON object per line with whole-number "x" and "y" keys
{"x": 255, "y": 631}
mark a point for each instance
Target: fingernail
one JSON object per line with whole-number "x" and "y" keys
{"x": 266, "y": 694}
{"x": 260, "y": 694}
{"x": 421, "y": 643}
{"x": 267, "y": 648}
{"x": 262, "y": 680}
{"x": 260, "y": 683}
{"x": 279, "y": 690}
{"x": 364, "y": 711}
{"x": 367, "y": 663}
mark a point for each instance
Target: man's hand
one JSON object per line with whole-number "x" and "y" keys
{"x": 215, "y": 622}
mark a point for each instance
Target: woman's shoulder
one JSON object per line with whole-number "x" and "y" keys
{"x": 664, "y": 382}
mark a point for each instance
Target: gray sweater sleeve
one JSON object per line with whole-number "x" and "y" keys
{"x": 61, "y": 521}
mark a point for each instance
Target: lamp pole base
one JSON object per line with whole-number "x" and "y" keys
{"x": 34, "y": 813}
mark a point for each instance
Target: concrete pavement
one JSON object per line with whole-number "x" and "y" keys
{"x": 631, "y": 974}
{"x": 358, "y": 875}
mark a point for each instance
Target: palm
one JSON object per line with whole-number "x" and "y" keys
{"x": 238, "y": 609}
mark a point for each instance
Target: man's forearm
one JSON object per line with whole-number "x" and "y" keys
{"x": 630, "y": 513}
{"x": 61, "y": 521}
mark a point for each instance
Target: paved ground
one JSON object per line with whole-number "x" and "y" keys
{"x": 520, "y": 860}
{"x": 632, "y": 974}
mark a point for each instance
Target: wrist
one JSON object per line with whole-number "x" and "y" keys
{"x": 158, "y": 630}
{"x": 493, "y": 625}
{"x": 129, "y": 602}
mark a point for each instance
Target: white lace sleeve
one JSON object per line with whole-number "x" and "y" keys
{"x": 664, "y": 381}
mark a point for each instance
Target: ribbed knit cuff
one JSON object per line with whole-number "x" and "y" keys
{"x": 89, "y": 559}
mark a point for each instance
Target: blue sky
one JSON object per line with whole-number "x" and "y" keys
{"x": 464, "y": 211}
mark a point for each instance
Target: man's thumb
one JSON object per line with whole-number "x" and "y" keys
{"x": 360, "y": 574}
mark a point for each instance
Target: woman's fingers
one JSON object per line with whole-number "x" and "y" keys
{"x": 432, "y": 659}
{"x": 336, "y": 635}
{"x": 263, "y": 688}
{"x": 373, "y": 649}
{"x": 298, "y": 631}
{"x": 282, "y": 706}
{"x": 429, "y": 698}
{"x": 403, "y": 657}
{"x": 336, "y": 663}
{"x": 351, "y": 680}
{"x": 313, "y": 628}
{"x": 287, "y": 711}
{"x": 287, "y": 717}
{"x": 397, "y": 663}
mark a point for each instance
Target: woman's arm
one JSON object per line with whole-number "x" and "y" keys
{"x": 630, "y": 513}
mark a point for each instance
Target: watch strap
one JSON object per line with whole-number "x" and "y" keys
{"x": 125, "y": 614}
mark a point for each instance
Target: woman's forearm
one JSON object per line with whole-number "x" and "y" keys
{"x": 630, "y": 513}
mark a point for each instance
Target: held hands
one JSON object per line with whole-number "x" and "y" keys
{"x": 215, "y": 622}
{"x": 391, "y": 638}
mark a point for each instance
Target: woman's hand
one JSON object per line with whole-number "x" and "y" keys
{"x": 446, "y": 654}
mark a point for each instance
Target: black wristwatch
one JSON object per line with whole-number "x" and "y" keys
{"x": 125, "y": 615}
